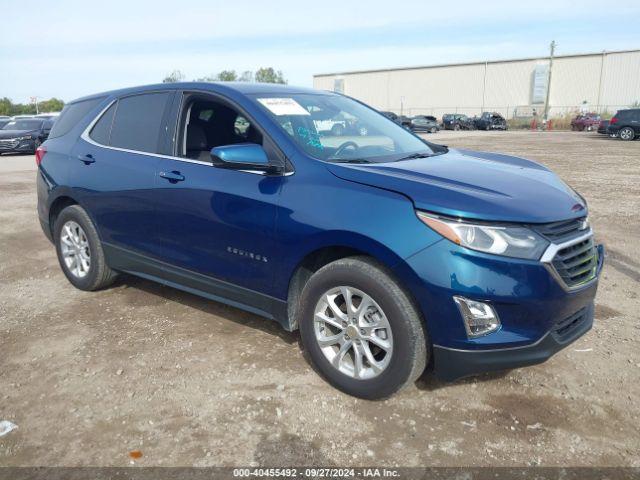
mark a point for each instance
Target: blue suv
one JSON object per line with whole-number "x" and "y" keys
{"x": 389, "y": 253}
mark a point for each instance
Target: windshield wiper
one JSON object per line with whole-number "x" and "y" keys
{"x": 351, "y": 160}
{"x": 416, "y": 155}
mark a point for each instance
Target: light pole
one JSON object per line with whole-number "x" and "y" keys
{"x": 546, "y": 101}
{"x": 34, "y": 100}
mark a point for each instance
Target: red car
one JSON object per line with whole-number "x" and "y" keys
{"x": 588, "y": 122}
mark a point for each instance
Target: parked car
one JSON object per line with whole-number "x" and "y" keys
{"x": 24, "y": 135}
{"x": 602, "y": 126}
{"x": 490, "y": 121}
{"x": 586, "y": 122}
{"x": 404, "y": 121}
{"x": 424, "y": 123}
{"x": 4, "y": 121}
{"x": 457, "y": 121}
{"x": 391, "y": 116}
{"x": 625, "y": 124}
{"x": 340, "y": 125}
{"x": 389, "y": 253}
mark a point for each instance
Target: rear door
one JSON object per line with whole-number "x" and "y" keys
{"x": 114, "y": 173}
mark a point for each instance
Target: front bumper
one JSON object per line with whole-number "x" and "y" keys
{"x": 452, "y": 364}
{"x": 528, "y": 297}
{"x": 23, "y": 146}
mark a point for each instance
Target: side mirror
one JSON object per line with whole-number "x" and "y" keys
{"x": 242, "y": 156}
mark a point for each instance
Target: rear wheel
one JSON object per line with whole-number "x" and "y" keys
{"x": 361, "y": 330}
{"x": 79, "y": 250}
{"x": 626, "y": 133}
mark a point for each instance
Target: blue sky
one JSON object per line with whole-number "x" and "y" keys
{"x": 68, "y": 49}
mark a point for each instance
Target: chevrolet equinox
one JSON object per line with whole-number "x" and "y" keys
{"x": 389, "y": 253}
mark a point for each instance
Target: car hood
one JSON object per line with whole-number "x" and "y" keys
{"x": 477, "y": 185}
{"x": 15, "y": 133}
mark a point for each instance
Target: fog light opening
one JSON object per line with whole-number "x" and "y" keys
{"x": 479, "y": 318}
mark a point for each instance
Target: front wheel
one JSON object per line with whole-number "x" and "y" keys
{"x": 627, "y": 133}
{"x": 361, "y": 330}
{"x": 79, "y": 250}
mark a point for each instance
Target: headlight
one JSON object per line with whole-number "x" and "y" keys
{"x": 26, "y": 137}
{"x": 507, "y": 240}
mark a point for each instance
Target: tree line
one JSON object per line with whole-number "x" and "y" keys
{"x": 262, "y": 75}
{"x": 7, "y": 107}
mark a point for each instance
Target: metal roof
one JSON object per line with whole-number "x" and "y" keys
{"x": 420, "y": 67}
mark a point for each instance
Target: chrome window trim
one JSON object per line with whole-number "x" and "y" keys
{"x": 550, "y": 253}
{"x": 85, "y": 136}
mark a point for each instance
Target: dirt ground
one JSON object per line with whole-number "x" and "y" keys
{"x": 89, "y": 377}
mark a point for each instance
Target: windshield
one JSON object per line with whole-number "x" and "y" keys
{"x": 338, "y": 129}
{"x": 23, "y": 125}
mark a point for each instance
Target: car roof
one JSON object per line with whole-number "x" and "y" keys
{"x": 245, "y": 88}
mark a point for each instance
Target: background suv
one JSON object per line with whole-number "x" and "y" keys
{"x": 24, "y": 135}
{"x": 457, "y": 121}
{"x": 625, "y": 124}
{"x": 389, "y": 253}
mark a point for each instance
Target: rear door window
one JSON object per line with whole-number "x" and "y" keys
{"x": 138, "y": 121}
{"x": 71, "y": 115}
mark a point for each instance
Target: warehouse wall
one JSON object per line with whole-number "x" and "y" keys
{"x": 606, "y": 82}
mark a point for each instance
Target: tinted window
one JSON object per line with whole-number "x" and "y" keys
{"x": 71, "y": 115}
{"x": 23, "y": 125}
{"x": 102, "y": 130}
{"x": 138, "y": 120}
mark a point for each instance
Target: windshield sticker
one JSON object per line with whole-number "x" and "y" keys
{"x": 283, "y": 106}
{"x": 313, "y": 139}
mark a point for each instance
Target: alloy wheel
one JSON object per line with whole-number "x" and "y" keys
{"x": 626, "y": 133}
{"x": 74, "y": 247}
{"x": 353, "y": 332}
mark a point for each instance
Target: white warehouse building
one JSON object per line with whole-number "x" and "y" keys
{"x": 600, "y": 82}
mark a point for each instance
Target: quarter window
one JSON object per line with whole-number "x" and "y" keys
{"x": 71, "y": 115}
{"x": 101, "y": 132}
{"x": 138, "y": 121}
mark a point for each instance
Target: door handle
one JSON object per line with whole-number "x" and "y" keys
{"x": 87, "y": 159}
{"x": 173, "y": 177}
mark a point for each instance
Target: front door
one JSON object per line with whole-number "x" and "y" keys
{"x": 216, "y": 222}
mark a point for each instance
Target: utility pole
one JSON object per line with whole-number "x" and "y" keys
{"x": 604, "y": 52}
{"x": 484, "y": 85}
{"x": 35, "y": 101}
{"x": 552, "y": 48}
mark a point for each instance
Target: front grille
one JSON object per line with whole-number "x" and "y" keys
{"x": 577, "y": 263}
{"x": 564, "y": 328}
{"x": 9, "y": 144}
{"x": 558, "y": 232}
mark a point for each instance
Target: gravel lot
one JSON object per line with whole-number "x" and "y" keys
{"x": 89, "y": 377}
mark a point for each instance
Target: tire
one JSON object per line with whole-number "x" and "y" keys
{"x": 456, "y": 127}
{"x": 626, "y": 133}
{"x": 395, "y": 315}
{"x": 97, "y": 275}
